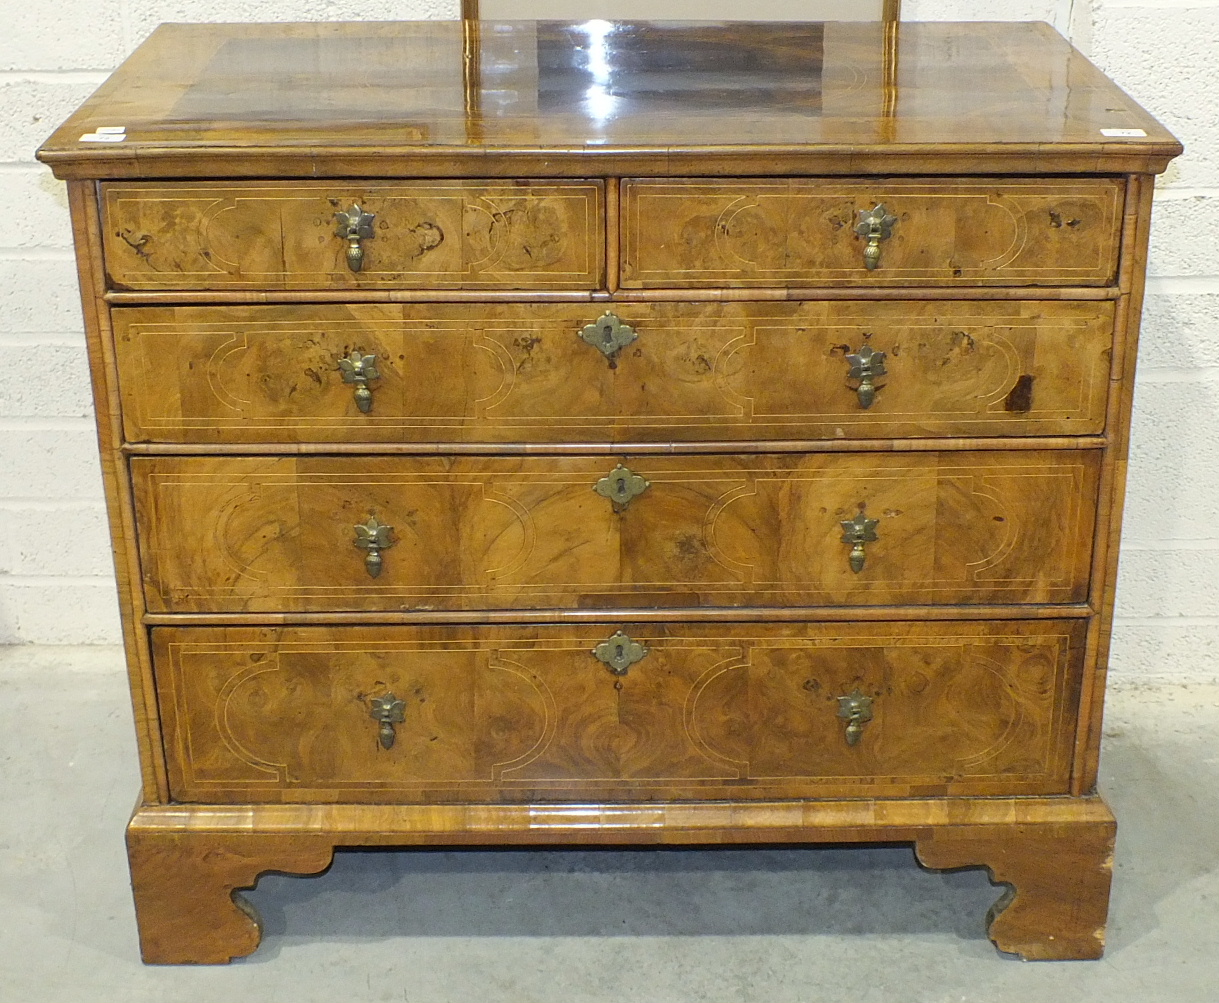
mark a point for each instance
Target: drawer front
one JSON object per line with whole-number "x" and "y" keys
{"x": 803, "y": 232}
{"x": 521, "y": 372}
{"x": 423, "y": 235}
{"x": 279, "y": 534}
{"x": 529, "y": 713}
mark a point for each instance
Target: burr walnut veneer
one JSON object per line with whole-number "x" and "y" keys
{"x": 591, "y": 434}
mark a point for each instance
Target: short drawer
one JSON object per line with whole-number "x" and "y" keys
{"x": 419, "y": 235}
{"x": 817, "y": 232}
{"x": 531, "y": 713}
{"x": 619, "y": 372}
{"x": 297, "y": 533}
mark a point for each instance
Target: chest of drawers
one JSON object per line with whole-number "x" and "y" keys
{"x": 721, "y": 439}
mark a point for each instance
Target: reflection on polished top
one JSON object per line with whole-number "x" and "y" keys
{"x": 555, "y": 98}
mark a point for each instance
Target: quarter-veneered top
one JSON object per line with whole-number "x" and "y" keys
{"x": 430, "y": 98}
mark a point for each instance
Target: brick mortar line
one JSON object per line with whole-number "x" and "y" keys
{"x": 1169, "y": 546}
{"x": 57, "y": 581}
{"x": 53, "y": 253}
{"x": 92, "y": 76}
{"x": 1167, "y": 620}
{"x": 1188, "y": 285}
{"x": 49, "y": 339}
{"x": 97, "y": 504}
{"x": 19, "y": 503}
{"x": 1115, "y": 6}
{"x": 47, "y": 423}
{"x": 1148, "y": 373}
{"x": 1173, "y": 193}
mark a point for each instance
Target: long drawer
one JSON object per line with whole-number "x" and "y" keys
{"x": 620, "y": 372}
{"x": 290, "y": 235}
{"x": 532, "y": 713}
{"x": 289, "y": 533}
{"x": 695, "y": 233}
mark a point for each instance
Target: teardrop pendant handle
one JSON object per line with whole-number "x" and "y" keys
{"x": 354, "y": 226}
{"x": 874, "y": 226}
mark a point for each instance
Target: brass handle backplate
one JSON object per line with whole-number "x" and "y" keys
{"x": 608, "y": 334}
{"x": 857, "y": 532}
{"x": 867, "y": 366}
{"x": 354, "y": 225}
{"x": 374, "y": 537}
{"x": 388, "y": 710}
{"x": 874, "y": 226}
{"x": 358, "y": 368}
{"x": 619, "y": 652}
{"x": 856, "y": 710}
{"x": 620, "y": 485}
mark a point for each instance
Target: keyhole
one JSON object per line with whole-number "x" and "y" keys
{"x": 622, "y": 485}
{"x": 618, "y": 652}
{"x": 607, "y": 334}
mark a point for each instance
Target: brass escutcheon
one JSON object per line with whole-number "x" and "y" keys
{"x": 373, "y": 537}
{"x": 857, "y": 532}
{"x": 866, "y": 367}
{"x": 620, "y": 485}
{"x": 608, "y": 334}
{"x": 358, "y": 368}
{"x": 388, "y": 710}
{"x": 354, "y": 225}
{"x": 856, "y": 710}
{"x": 619, "y": 653}
{"x": 874, "y": 226}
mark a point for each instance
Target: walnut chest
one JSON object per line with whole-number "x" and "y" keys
{"x": 546, "y": 433}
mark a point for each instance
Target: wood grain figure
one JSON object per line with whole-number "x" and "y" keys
{"x": 1058, "y": 876}
{"x": 805, "y": 232}
{"x": 187, "y": 896}
{"x": 1055, "y": 854}
{"x": 272, "y": 534}
{"x": 233, "y": 102}
{"x": 502, "y": 373}
{"x": 729, "y": 453}
{"x": 530, "y": 713}
{"x": 456, "y": 235}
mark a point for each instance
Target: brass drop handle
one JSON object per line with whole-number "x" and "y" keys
{"x": 388, "y": 711}
{"x": 608, "y": 334}
{"x": 374, "y": 537}
{"x": 620, "y": 485}
{"x": 354, "y": 225}
{"x": 619, "y": 652}
{"x": 867, "y": 366}
{"x": 857, "y": 532}
{"x": 358, "y": 368}
{"x": 874, "y": 226}
{"x": 856, "y": 710}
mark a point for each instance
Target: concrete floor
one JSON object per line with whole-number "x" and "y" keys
{"x": 531, "y": 927}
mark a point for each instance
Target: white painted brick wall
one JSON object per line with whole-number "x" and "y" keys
{"x": 56, "y": 571}
{"x": 1162, "y": 52}
{"x": 56, "y": 586}
{"x": 1056, "y": 12}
